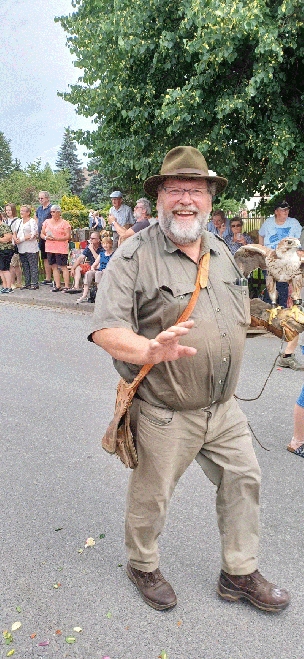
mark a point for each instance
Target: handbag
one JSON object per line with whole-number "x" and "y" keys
{"x": 118, "y": 437}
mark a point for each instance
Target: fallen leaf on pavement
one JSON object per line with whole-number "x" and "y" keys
{"x": 77, "y": 629}
{"x": 109, "y": 614}
{"x": 90, "y": 542}
{"x": 10, "y": 653}
{"x": 102, "y": 535}
{"x": 179, "y": 622}
{"x": 33, "y": 635}
{"x": 58, "y": 632}
{"x": 18, "y": 609}
{"x": 43, "y": 644}
{"x": 59, "y": 528}
{"x": 80, "y": 551}
{"x": 16, "y": 626}
{"x": 163, "y": 655}
{"x": 70, "y": 639}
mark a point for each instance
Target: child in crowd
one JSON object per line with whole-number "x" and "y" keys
{"x": 98, "y": 267}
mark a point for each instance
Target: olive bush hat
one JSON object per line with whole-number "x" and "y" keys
{"x": 183, "y": 162}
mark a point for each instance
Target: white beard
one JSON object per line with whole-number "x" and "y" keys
{"x": 182, "y": 233}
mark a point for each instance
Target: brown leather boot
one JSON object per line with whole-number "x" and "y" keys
{"x": 255, "y": 588}
{"x": 154, "y": 589}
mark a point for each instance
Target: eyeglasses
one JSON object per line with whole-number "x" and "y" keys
{"x": 177, "y": 193}
{"x": 235, "y": 225}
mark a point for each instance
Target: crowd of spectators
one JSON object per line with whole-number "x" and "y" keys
{"x": 48, "y": 233}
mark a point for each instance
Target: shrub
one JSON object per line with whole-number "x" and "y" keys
{"x": 76, "y": 218}
{"x": 71, "y": 204}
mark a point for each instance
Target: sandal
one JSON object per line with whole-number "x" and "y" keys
{"x": 297, "y": 451}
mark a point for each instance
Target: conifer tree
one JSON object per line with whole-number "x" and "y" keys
{"x": 68, "y": 160}
{"x": 6, "y": 159}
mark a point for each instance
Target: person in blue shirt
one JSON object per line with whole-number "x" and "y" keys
{"x": 89, "y": 254}
{"x": 218, "y": 224}
{"x": 275, "y": 228}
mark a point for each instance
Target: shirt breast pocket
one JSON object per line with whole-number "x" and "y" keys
{"x": 239, "y": 303}
{"x": 174, "y": 299}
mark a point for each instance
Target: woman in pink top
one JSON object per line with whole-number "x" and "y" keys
{"x": 57, "y": 232}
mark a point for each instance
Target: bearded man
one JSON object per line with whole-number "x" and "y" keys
{"x": 184, "y": 408}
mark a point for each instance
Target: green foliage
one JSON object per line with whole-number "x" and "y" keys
{"x": 71, "y": 203}
{"x": 229, "y": 206}
{"x": 76, "y": 218}
{"x": 6, "y": 159}
{"x": 69, "y": 162}
{"x": 226, "y": 77}
{"x": 22, "y": 187}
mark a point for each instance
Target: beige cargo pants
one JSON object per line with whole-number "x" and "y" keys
{"x": 167, "y": 442}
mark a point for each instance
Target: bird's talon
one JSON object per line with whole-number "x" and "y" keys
{"x": 273, "y": 313}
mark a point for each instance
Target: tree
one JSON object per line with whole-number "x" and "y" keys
{"x": 6, "y": 158}
{"x": 22, "y": 186}
{"x": 227, "y": 77}
{"x": 68, "y": 161}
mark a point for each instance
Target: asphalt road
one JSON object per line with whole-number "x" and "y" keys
{"x": 59, "y": 487}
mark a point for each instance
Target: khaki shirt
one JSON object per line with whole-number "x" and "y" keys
{"x": 146, "y": 286}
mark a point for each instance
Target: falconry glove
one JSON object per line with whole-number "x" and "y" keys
{"x": 284, "y": 323}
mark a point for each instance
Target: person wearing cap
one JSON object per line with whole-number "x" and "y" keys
{"x": 184, "y": 408}
{"x": 275, "y": 228}
{"x": 120, "y": 215}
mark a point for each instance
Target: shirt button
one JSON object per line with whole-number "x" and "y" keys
{"x": 224, "y": 334}
{"x": 220, "y": 381}
{"x": 224, "y": 359}
{"x": 181, "y": 297}
{"x": 218, "y": 309}
{"x": 209, "y": 286}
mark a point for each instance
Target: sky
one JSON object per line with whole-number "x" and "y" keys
{"x": 35, "y": 63}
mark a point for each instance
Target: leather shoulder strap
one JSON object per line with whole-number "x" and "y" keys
{"x": 201, "y": 282}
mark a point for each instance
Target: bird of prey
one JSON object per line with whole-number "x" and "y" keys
{"x": 282, "y": 264}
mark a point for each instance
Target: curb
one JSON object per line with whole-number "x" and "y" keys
{"x": 46, "y": 301}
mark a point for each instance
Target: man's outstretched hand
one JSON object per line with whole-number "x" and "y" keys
{"x": 166, "y": 348}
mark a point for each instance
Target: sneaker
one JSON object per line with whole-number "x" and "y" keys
{"x": 24, "y": 288}
{"x": 47, "y": 282}
{"x": 290, "y": 362}
{"x": 34, "y": 287}
{"x": 82, "y": 299}
{"x": 7, "y": 290}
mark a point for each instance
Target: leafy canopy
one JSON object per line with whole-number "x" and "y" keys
{"x": 22, "y": 186}
{"x": 226, "y": 77}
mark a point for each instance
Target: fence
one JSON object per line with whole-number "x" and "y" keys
{"x": 252, "y": 221}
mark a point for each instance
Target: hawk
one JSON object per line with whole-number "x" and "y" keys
{"x": 282, "y": 264}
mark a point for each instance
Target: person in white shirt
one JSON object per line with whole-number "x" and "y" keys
{"x": 25, "y": 236}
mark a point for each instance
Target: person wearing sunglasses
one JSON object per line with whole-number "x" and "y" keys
{"x": 236, "y": 239}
